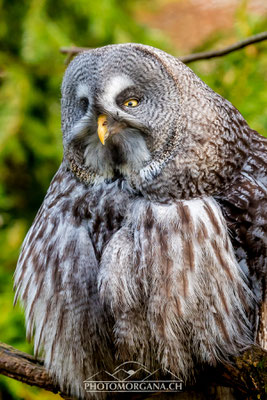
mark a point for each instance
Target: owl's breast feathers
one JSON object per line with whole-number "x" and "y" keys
{"x": 130, "y": 278}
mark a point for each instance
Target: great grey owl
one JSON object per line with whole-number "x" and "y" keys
{"x": 149, "y": 245}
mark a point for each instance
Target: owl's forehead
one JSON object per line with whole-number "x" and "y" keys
{"x": 117, "y": 66}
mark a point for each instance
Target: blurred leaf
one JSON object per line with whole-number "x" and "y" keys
{"x": 31, "y": 69}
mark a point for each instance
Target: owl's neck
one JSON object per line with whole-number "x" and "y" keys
{"x": 155, "y": 185}
{"x": 177, "y": 177}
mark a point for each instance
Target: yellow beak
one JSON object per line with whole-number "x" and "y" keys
{"x": 102, "y": 128}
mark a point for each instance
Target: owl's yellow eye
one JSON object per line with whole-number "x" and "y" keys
{"x": 131, "y": 103}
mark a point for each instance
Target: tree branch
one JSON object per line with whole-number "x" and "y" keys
{"x": 74, "y": 50}
{"x": 25, "y": 368}
{"x": 205, "y": 55}
{"x": 247, "y": 373}
{"x": 71, "y": 51}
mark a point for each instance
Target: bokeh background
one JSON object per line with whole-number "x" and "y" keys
{"x": 31, "y": 69}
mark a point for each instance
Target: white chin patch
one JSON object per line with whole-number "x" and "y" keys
{"x": 136, "y": 152}
{"x": 132, "y": 146}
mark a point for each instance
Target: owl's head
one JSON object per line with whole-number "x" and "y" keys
{"x": 134, "y": 112}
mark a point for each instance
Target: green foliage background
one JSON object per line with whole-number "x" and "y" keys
{"x": 31, "y": 69}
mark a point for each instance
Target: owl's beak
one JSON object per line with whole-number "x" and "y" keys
{"x": 102, "y": 128}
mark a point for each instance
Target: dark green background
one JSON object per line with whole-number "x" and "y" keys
{"x": 31, "y": 69}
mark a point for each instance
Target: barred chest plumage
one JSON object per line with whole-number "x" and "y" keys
{"x": 167, "y": 265}
{"x": 129, "y": 282}
{"x": 161, "y": 265}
